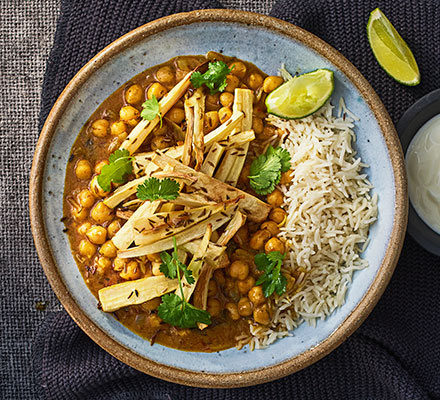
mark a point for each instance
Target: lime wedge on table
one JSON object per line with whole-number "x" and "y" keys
{"x": 302, "y": 95}
{"x": 391, "y": 51}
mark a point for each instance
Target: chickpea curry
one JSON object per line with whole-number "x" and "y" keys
{"x": 171, "y": 204}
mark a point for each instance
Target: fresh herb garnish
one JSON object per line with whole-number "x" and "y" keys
{"x": 175, "y": 310}
{"x": 272, "y": 279}
{"x": 214, "y": 78}
{"x": 119, "y": 167}
{"x": 266, "y": 169}
{"x": 151, "y": 110}
{"x": 155, "y": 189}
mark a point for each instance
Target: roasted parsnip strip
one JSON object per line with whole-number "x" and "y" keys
{"x": 125, "y": 191}
{"x": 194, "y": 232}
{"x": 188, "y": 144}
{"x": 144, "y": 127}
{"x": 192, "y": 200}
{"x": 139, "y": 291}
{"x": 125, "y": 236}
{"x": 212, "y": 159}
{"x": 163, "y": 225}
{"x": 231, "y": 229}
{"x": 179, "y": 176}
{"x": 196, "y": 265}
{"x": 243, "y": 101}
{"x": 255, "y": 209}
{"x": 200, "y": 295}
{"x": 126, "y": 214}
{"x": 214, "y": 253}
{"x": 179, "y": 135}
{"x": 142, "y": 160}
{"x": 222, "y": 131}
{"x": 199, "y": 117}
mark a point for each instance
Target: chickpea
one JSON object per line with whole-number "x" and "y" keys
{"x": 131, "y": 271}
{"x": 177, "y": 115}
{"x": 83, "y": 228}
{"x": 79, "y": 214}
{"x": 219, "y": 277}
{"x": 152, "y": 304}
{"x": 245, "y": 285}
{"x": 233, "y": 311}
{"x": 261, "y": 315}
{"x": 271, "y": 226}
{"x": 133, "y": 94}
{"x": 187, "y": 63}
{"x": 286, "y": 177}
{"x": 132, "y": 122}
{"x": 212, "y": 101}
{"x": 83, "y": 170}
{"x": 108, "y": 249}
{"x": 160, "y": 130}
{"x": 277, "y": 215}
{"x": 224, "y": 114}
{"x": 155, "y": 257}
{"x": 274, "y": 244}
{"x": 232, "y": 82}
{"x": 245, "y": 172}
{"x": 258, "y": 239}
{"x": 255, "y": 80}
{"x": 214, "y": 56}
{"x": 213, "y": 306}
{"x": 257, "y": 125}
{"x": 113, "y": 228}
{"x": 239, "y": 269}
{"x": 101, "y": 213}
{"x": 245, "y": 307}
{"x": 118, "y": 264}
{"x": 97, "y": 190}
{"x": 238, "y": 69}
{"x": 123, "y": 136}
{"x": 256, "y": 295}
{"x": 99, "y": 165}
{"x": 103, "y": 264}
{"x": 97, "y": 234}
{"x": 160, "y": 143}
{"x": 242, "y": 236}
{"x": 117, "y": 128}
{"x": 157, "y": 90}
{"x": 155, "y": 268}
{"x": 268, "y": 132}
{"x": 212, "y": 288}
{"x": 165, "y": 75}
{"x": 241, "y": 254}
{"x": 229, "y": 284}
{"x": 276, "y": 198}
{"x": 128, "y": 113}
{"x": 86, "y": 198}
{"x": 86, "y": 248}
{"x": 211, "y": 121}
{"x": 99, "y": 128}
{"x": 226, "y": 99}
{"x": 271, "y": 83}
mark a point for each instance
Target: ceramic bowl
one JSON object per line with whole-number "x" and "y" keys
{"x": 266, "y": 42}
{"x": 414, "y": 118}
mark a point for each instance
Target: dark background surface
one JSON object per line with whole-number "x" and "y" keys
{"x": 395, "y": 354}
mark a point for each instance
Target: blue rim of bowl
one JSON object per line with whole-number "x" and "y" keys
{"x": 358, "y": 314}
{"x": 410, "y": 123}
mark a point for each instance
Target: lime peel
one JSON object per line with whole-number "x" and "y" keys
{"x": 302, "y": 95}
{"x": 390, "y": 50}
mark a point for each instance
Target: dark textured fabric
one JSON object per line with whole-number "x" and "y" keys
{"x": 396, "y": 353}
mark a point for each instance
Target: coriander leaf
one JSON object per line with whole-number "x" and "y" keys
{"x": 155, "y": 189}
{"x": 175, "y": 311}
{"x": 119, "y": 167}
{"x": 272, "y": 279}
{"x": 266, "y": 169}
{"x": 214, "y": 78}
{"x": 168, "y": 267}
{"x": 151, "y": 109}
{"x": 283, "y": 155}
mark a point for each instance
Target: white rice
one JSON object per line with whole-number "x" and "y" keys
{"x": 330, "y": 210}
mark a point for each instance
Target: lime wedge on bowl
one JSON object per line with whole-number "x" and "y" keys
{"x": 302, "y": 95}
{"x": 391, "y": 51}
